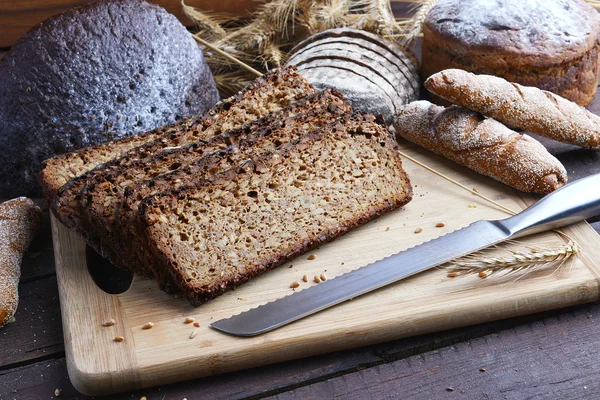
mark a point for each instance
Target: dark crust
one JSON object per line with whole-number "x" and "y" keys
{"x": 197, "y": 297}
{"x": 66, "y": 84}
{"x": 129, "y": 232}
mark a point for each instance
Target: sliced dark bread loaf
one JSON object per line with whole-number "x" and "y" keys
{"x": 105, "y": 193}
{"x": 57, "y": 171}
{"x": 223, "y": 231}
{"x": 255, "y": 140}
{"x": 273, "y": 91}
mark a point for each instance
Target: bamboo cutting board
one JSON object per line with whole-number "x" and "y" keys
{"x": 424, "y": 303}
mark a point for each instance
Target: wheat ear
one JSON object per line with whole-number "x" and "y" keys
{"x": 594, "y": 3}
{"x": 484, "y": 266}
{"x": 413, "y": 27}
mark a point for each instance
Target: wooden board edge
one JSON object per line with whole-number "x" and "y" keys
{"x": 87, "y": 374}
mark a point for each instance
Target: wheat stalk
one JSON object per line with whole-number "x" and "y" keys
{"x": 594, "y": 3}
{"x": 479, "y": 263}
{"x": 207, "y": 23}
{"x": 413, "y": 27}
{"x": 231, "y": 82}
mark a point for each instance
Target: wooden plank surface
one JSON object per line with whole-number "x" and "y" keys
{"x": 426, "y": 303}
{"x": 18, "y": 16}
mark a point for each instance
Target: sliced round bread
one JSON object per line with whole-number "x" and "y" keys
{"x": 375, "y": 75}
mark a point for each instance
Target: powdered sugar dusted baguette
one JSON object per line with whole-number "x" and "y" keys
{"x": 20, "y": 219}
{"x": 482, "y": 144}
{"x": 521, "y": 107}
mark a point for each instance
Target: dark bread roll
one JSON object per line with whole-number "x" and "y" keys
{"x": 91, "y": 74}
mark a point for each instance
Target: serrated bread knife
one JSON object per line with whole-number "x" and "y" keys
{"x": 572, "y": 203}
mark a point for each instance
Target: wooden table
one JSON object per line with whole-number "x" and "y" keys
{"x": 548, "y": 355}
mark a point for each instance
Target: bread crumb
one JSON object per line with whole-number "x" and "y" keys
{"x": 387, "y": 229}
{"x": 312, "y": 257}
{"x": 197, "y": 324}
{"x": 472, "y": 205}
{"x": 440, "y": 225}
{"x": 482, "y": 369}
{"x": 452, "y": 275}
{"x": 450, "y": 389}
{"x": 56, "y": 392}
{"x": 482, "y": 274}
{"x": 418, "y": 230}
{"x": 110, "y": 322}
{"x": 194, "y": 333}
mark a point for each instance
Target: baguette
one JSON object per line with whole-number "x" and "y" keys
{"x": 105, "y": 193}
{"x": 221, "y": 232}
{"x": 522, "y": 107}
{"x": 20, "y": 220}
{"x": 481, "y": 144}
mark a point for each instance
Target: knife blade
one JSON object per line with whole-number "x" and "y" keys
{"x": 572, "y": 203}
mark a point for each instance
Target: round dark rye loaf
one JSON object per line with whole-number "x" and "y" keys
{"x": 550, "y": 44}
{"x": 92, "y": 74}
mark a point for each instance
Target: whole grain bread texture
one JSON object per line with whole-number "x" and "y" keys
{"x": 91, "y": 74}
{"x": 258, "y": 139}
{"x": 221, "y": 232}
{"x": 20, "y": 220}
{"x": 549, "y": 44}
{"x": 105, "y": 193}
{"x": 522, "y": 107}
{"x": 271, "y": 92}
{"x": 481, "y": 144}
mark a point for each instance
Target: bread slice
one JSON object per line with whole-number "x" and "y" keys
{"x": 223, "y": 231}
{"x": 273, "y": 91}
{"x": 57, "y": 171}
{"x": 105, "y": 192}
{"x": 257, "y": 139}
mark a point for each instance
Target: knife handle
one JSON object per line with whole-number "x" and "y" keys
{"x": 572, "y": 203}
